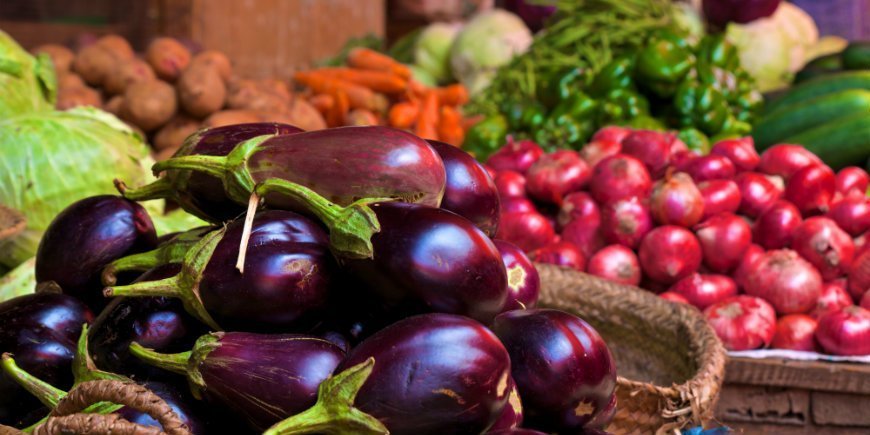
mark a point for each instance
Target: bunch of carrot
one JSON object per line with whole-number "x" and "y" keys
{"x": 375, "y": 89}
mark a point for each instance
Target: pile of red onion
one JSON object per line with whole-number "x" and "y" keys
{"x": 772, "y": 247}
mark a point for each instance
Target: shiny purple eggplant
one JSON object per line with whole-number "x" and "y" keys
{"x": 470, "y": 191}
{"x": 40, "y": 330}
{"x": 435, "y": 258}
{"x": 523, "y": 281}
{"x": 264, "y": 378}
{"x": 563, "y": 369}
{"x": 200, "y": 193}
{"x": 512, "y": 415}
{"x": 286, "y": 282}
{"x": 85, "y": 237}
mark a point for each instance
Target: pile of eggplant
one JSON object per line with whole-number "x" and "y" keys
{"x": 348, "y": 284}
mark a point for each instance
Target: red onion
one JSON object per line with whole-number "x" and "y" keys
{"x": 619, "y": 177}
{"x": 595, "y": 151}
{"x": 557, "y": 174}
{"x": 678, "y": 147}
{"x": 724, "y": 239}
{"x": 529, "y": 231}
{"x": 859, "y": 276}
{"x": 860, "y": 243}
{"x": 675, "y": 200}
{"x": 845, "y": 332}
{"x": 703, "y": 290}
{"x": 515, "y": 156}
{"x": 795, "y": 332}
{"x": 512, "y": 204}
{"x": 722, "y": 12}
{"x": 834, "y": 297}
{"x": 777, "y": 181}
{"x": 561, "y": 254}
{"x": 523, "y": 281}
{"x": 709, "y": 167}
{"x": 534, "y": 15}
{"x": 720, "y": 196}
{"x": 669, "y": 253}
{"x": 674, "y": 297}
{"x": 585, "y": 234}
{"x": 489, "y": 170}
{"x": 510, "y": 183}
{"x": 615, "y": 263}
{"x": 784, "y": 160}
{"x": 787, "y": 281}
{"x": 852, "y": 213}
{"x": 653, "y": 148}
{"x": 742, "y": 322}
{"x": 825, "y": 246}
{"x": 865, "y": 301}
{"x": 577, "y": 205}
{"x": 613, "y": 133}
{"x": 681, "y": 158}
{"x": 811, "y": 189}
{"x": 742, "y": 271}
{"x": 852, "y": 178}
{"x": 757, "y": 193}
{"x": 626, "y": 222}
{"x": 740, "y": 151}
{"x": 776, "y": 225}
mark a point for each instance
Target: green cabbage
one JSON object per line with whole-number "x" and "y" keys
{"x": 490, "y": 40}
{"x": 27, "y": 83}
{"x": 50, "y": 159}
{"x": 19, "y": 281}
{"x": 432, "y": 50}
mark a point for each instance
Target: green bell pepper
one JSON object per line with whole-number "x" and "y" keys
{"x": 524, "y": 115}
{"x": 621, "y": 104}
{"x": 701, "y": 106}
{"x": 562, "y": 85}
{"x": 564, "y": 131}
{"x": 615, "y": 75}
{"x": 663, "y": 64}
{"x": 486, "y": 136}
{"x": 695, "y": 140}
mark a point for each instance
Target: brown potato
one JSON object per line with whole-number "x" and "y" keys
{"x": 125, "y": 73}
{"x": 149, "y": 105}
{"x": 94, "y": 63}
{"x": 230, "y": 117}
{"x": 251, "y": 95}
{"x": 168, "y": 58}
{"x": 61, "y": 57}
{"x": 276, "y": 87}
{"x": 69, "y": 80}
{"x": 75, "y": 97}
{"x": 305, "y": 116}
{"x": 114, "y": 105}
{"x": 117, "y": 45}
{"x": 201, "y": 90}
{"x": 173, "y": 134}
{"x": 164, "y": 154}
{"x": 217, "y": 60}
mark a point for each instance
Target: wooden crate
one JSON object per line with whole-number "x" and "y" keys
{"x": 776, "y": 396}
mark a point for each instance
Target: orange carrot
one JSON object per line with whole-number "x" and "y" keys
{"x": 416, "y": 89}
{"x": 338, "y": 113}
{"x": 378, "y": 81}
{"x": 365, "y": 58}
{"x": 427, "y": 120}
{"x": 358, "y": 96}
{"x": 469, "y": 121}
{"x": 403, "y": 115}
{"x": 361, "y": 117}
{"x": 322, "y": 102}
{"x": 453, "y": 95}
{"x": 450, "y": 126}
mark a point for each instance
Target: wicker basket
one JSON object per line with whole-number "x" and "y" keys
{"x": 670, "y": 362}
{"x": 12, "y": 223}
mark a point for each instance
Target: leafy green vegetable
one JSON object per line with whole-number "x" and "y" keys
{"x": 19, "y": 281}
{"x": 27, "y": 83}
{"x": 432, "y": 50}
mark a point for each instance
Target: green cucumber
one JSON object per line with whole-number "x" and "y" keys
{"x": 843, "y": 142}
{"x": 820, "y": 66}
{"x": 820, "y": 86}
{"x": 795, "y": 118}
{"x": 857, "y": 55}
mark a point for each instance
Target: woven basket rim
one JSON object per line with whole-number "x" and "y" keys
{"x": 12, "y": 222}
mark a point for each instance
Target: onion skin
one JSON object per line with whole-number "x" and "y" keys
{"x": 510, "y": 184}
{"x": 613, "y": 133}
{"x": 557, "y": 174}
{"x": 469, "y": 190}
{"x": 560, "y": 254}
{"x": 615, "y": 263}
{"x": 740, "y": 151}
{"x": 742, "y": 322}
{"x": 516, "y": 204}
{"x": 785, "y": 160}
{"x": 724, "y": 239}
{"x": 821, "y": 242}
{"x": 676, "y": 200}
{"x": 752, "y": 254}
{"x": 865, "y": 301}
{"x": 529, "y": 231}
{"x": 852, "y": 213}
{"x": 626, "y": 222}
{"x": 811, "y": 189}
{"x": 523, "y": 281}
{"x": 845, "y": 332}
{"x": 585, "y": 234}
{"x": 619, "y": 177}
{"x": 578, "y": 205}
{"x": 834, "y": 297}
{"x": 517, "y": 156}
{"x": 434, "y": 374}
{"x": 653, "y": 148}
{"x": 559, "y": 363}
{"x": 674, "y": 297}
{"x": 720, "y": 196}
{"x": 859, "y": 276}
{"x": 669, "y": 253}
{"x": 709, "y": 167}
{"x": 775, "y": 227}
{"x": 852, "y": 178}
{"x": 598, "y": 149}
{"x": 796, "y": 332}
{"x": 703, "y": 290}
{"x": 757, "y": 193}
{"x": 790, "y": 283}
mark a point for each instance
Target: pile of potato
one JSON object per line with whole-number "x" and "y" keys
{"x": 169, "y": 92}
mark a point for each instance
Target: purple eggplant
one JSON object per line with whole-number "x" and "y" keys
{"x": 523, "y": 281}
{"x": 519, "y": 431}
{"x": 563, "y": 369}
{"x": 470, "y": 191}
{"x": 155, "y": 322}
{"x": 435, "y": 258}
{"x": 85, "y": 237}
{"x": 200, "y": 193}
{"x": 512, "y": 415}
{"x": 40, "y": 330}
{"x": 427, "y": 374}
{"x": 286, "y": 283}
{"x": 262, "y": 377}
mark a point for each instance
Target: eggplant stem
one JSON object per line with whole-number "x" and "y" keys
{"x": 334, "y": 413}
{"x": 83, "y": 366}
{"x": 167, "y": 287}
{"x": 171, "y": 252}
{"x": 162, "y": 188}
{"x": 47, "y": 394}
{"x": 215, "y": 166}
{"x": 253, "y": 203}
{"x": 173, "y": 362}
